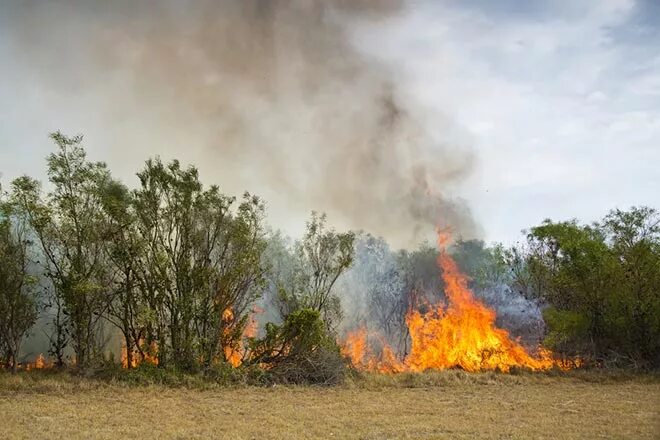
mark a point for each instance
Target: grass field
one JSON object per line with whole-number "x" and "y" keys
{"x": 449, "y": 405}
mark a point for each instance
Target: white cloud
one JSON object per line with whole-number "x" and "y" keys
{"x": 560, "y": 111}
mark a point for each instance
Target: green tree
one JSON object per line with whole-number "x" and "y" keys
{"x": 573, "y": 269}
{"x": 18, "y": 298}
{"x": 71, "y": 229}
{"x": 233, "y": 254}
{"x": 321, "y": 257}
{"x": 601, "y": 283}
{"x": 201, "y": 265}
{"x": 486, "y": 266}
{"x": 125, "y": 252}
{"x": 634, "y": 240}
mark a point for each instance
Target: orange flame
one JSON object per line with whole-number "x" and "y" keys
{"x": 355, "y": 346}
{"x": 235, "y": 355}
{"x": 39, "y": 363}
{"x": 356, "y": 349}
{"x": 150, "y": 354}
{"x": 461, "y": 334}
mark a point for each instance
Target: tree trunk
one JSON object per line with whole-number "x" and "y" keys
{"x": 14, "y": 361}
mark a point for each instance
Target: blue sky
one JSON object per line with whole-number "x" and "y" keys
{"x": 559, "y": 100}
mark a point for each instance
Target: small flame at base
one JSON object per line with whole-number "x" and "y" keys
{"x": 40, "y": 363}
{"x": 149, "y": 355}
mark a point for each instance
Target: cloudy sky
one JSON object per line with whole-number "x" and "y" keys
{"x": 562, "y": 99}
{"x": 559, "y": 102}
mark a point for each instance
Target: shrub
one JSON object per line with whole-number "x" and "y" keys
{"x": 299, "y": 351}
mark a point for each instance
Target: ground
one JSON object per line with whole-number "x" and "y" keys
{"x": 448, "y": 405}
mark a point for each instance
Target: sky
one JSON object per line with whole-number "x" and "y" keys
{"x": 561, "y": 98}
{"x": 558, "y": 102}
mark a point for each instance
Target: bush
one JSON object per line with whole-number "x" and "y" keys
{"x": 568, "y": 331}
{"x": 299, "y": 351}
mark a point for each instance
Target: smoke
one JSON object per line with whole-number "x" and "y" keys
{"x": 382, "y": 286}
{"x": 522, "y": 317}
{"x": 266, "y": 95}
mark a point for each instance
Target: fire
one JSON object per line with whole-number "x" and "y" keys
{"x": 461, "y": 334}
{"x": 235, "y": 355}
{"x": 355, "y": 346}
{"x": 150, "y": 355}
{"x": 39, "y": 363}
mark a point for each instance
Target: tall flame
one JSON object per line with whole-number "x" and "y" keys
{"x": 460, "y": 334}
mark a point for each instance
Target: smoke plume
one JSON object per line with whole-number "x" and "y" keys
{"x": 266, "y": 95}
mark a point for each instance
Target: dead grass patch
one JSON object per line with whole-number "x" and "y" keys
{"x": 437, "y": 405}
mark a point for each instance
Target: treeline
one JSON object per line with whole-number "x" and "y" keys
{"x": 176, "y": 268}
{"x": 598, "y": 284}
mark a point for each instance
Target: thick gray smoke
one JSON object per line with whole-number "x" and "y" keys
{"x": 266, "y": 95}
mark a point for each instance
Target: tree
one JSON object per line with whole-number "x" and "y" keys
{"x": 601, "y": 283}
{"x": 201, "y": 262}
{"x": 233, "y": 254}
{"x": 18, "y": 300}
{"x": 485, "y": 266}
{"x": 634, "y": 239}
{"x": 374, "y": 290}
{"x": 321, "y": 257}
{"x": 71, "y": 229}
{"x": 124, "y": 252}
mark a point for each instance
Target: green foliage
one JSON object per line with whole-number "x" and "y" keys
{"x": 195, "y": 259}
{"x": 18, "y": 300}
{"x": 300, "y": 350}
{"x": 485, "y": 266}
{"x": 420, "y": 270}
{"x": 603, "y": 281}
{"x": 568, "y": 330}
{"x": 173, "y": 265}
{"x": 320, "y": 259}
{"x": 71, "y": 229}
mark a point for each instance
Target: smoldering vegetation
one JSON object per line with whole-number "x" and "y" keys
{"x": 268, "y": 95}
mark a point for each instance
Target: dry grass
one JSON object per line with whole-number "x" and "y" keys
{"x": 441, "y": 405}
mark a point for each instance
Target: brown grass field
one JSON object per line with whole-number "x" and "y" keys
{"x": 443, "y": 405}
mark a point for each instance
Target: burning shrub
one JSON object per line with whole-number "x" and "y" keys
{"x": 461, "y": 334}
